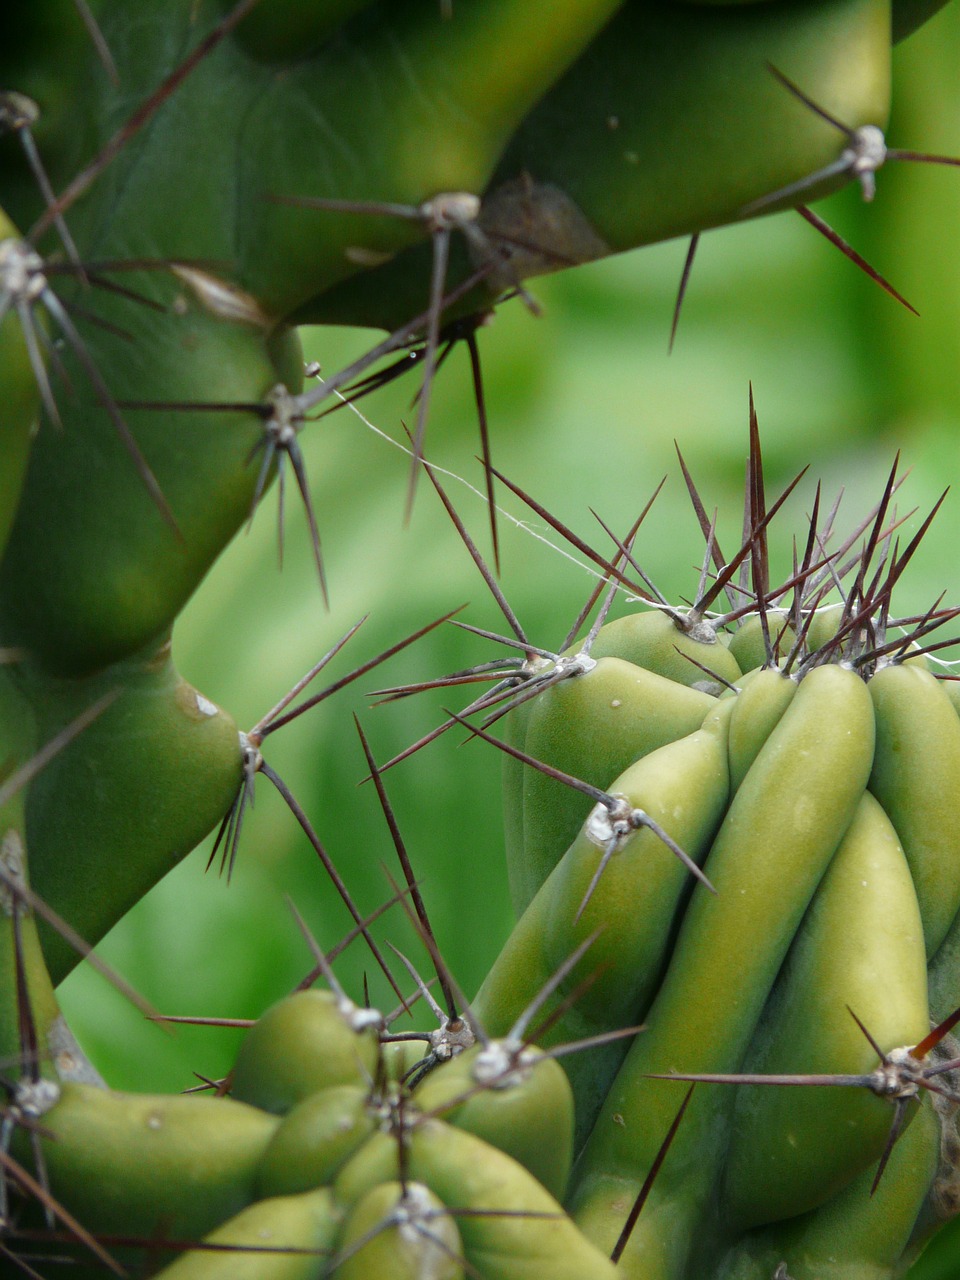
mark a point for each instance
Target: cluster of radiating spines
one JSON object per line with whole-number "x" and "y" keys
{"x": 834, "y": 605}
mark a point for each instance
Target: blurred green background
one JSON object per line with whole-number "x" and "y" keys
{"x": 585, "y": 405}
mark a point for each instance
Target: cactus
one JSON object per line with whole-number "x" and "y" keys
{"x": 716, "y": 1040}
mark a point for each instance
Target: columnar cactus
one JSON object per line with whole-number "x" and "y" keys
{"x": 717, "y": 1040}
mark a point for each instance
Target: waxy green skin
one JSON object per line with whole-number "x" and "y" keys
{"x": 764, "y": 696}
{"x": 916, "y": 777}
{"x": 776, "y": 841}
{"x": 374, "y": 1244}
{"x": 140, "y": 1164}
{"x": 129, "y": 797}
{"x": 690, "y": 654}
{"x": 635, "y": 906}
{"x": 528, "y": 1114}
{"x": 256, "y": 1238}
{"x": 314, "y": 1139}
{"x": 302, "y": 1044}
{"x": 590, "y": 726}
{"x": 860, "y": 947}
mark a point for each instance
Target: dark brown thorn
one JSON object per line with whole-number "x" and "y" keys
{"x": 593, "y": 793}
{"x": 899, "y": 646}
{"x": 603, "y": 587}
{"x": 682, "y": 289}
{"x": 138, "y": 119}
{"x": 759, "y": 559}
{"x": 715, "y": 676}
{"x": 901, "y": 562}
{"x": 702, "y": 518}
{"x": 787, "y": 1080}
{"x": 931, "y": 1040}
{"x": 329, "y": 204}
{"x": 331, "y": 870}
{"x": 857, "y": 259}
{"x": 25, "y": 774}
{"x": 16, "y": 1171}
{"x": 121, "y": 291}
{"x": 512, "y": 621}
{"x": 896, "y": 1129}
{"x": 837, "y": 574}
{"x": 197, "y": 406}
{"x": 870, "y": 1040}
{"x": 326, "y": 968}
{"x": 91, "y": 317}
{"x": 649, "y": 1180}
{"x": 519, "y": 1029}
{"x": 606, "y": 583}
{"x": 420, "y": 743}
{"x": 707, "y": 557}
{"x": 228, "y": 835}
{"x": 473, "y": 350}
{"x": 625, "y": 547}
{"x": 921, "y": 157}
{"x": 356, "y": 932}
{"x": 99, "y": 43}
{"x": 257, "y": 732}
{"x": 109, "y": 405}
{"x": 392, "y": 342}
{"x": 416, "y": 897}
{"x": 808, "y": 101}
{"x": 187, "y": 1020}
{"x": 933, "y": 648}
{"x": 570, "y": 536}
{"x": 73, "y": 939}
{"x": 875, "y": 536}
{"x": 441, "y": 967}
{"x": 455, "y": 681}
{"x": 568, "y": 1002}
{"x": 374, "y": 381}
{"x": 300, "y": 472}
{"x": 593, "y": 1042}
{"x": 508, "y": 701}
{"x": 726, "y": 574}
{"x": 362, "y": 670}
{"x": 441, "y": 254}
{"x": 838, "y": 167}
{"x": 804, "y": 571}
{"x": 521, "y": 643}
